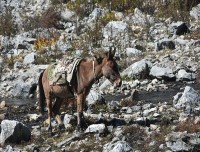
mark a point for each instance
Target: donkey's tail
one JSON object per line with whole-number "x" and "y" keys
{"x": 41, "y": 94}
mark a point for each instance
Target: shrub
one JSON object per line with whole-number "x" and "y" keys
{"x": 31, "y": 23}
{"x": 48, "y": 19}
{"x": 107, "y": 18}
{"x": 7, "y": 24}
{"x": 56, "y": 2}
{"x": 177, "y": 9}
{"x": 9, "y": 59}
{"x": 95, "y": 36}
{"x": 44, "y": 49}
{"x": 121, "y": 5}
{"x": 135, "y": 136}
{"x": 158, "y": 137}
{"x": 81, "y": 7}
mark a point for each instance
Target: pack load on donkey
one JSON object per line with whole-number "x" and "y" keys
{"x": 86, "y": 72}
{"x": 61, "y": 71}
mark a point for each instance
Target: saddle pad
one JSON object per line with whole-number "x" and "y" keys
{"x": 62, "y": 71}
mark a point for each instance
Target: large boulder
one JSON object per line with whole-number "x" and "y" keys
{"x": 29, "y": 58}
{"x": 133, "y": 52}
{"x": 115, "y": 28}
{"x": 183, "y": 141}
{"x": 165, "y": 44}
{"x": 188, "y": 98}
{"x": 94, "y": 97}
{"x": 68, "y": 15}
{"x": 62, "y": 45}
{"x": 69, "y": 121}
{"x": 119, "y": 146}
{"x": 14, "y": 132}
{"x": 138, "y": 69}
{"x": 182, "y": 29}
{"x": 162, "y": 72}
{"x": 95, "y": 14}
{"x": 195, "y": 12}
{"x": 183, "y": 75}
{"x": 141, "y": 18}
{"x": 96, "y": 128}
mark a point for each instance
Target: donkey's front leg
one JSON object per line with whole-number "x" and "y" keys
{"x": 80, "y": 102}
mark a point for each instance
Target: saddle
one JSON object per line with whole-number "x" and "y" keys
{"x": 62, "y": 71}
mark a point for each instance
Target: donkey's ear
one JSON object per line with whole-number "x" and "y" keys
{"x": 111, "y": 53}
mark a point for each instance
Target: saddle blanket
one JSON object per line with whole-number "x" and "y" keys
{"x": 62, "y": 71}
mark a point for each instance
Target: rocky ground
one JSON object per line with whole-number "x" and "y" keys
{"x": 157, "y": 107}
{"x": 146, "y": 123}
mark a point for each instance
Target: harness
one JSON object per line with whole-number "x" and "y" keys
{"x": 95, "y": 77}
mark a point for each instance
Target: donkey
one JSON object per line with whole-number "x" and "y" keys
{"x": 87, "y": 72}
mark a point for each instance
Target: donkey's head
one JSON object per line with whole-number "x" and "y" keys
{"x": 110, "y": 68}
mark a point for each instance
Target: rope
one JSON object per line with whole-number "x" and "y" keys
{"x": 93, "y": 67}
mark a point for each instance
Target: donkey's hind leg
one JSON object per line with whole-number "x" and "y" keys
{"x": 56, "y": 111}
{"x": 49, "y": 106}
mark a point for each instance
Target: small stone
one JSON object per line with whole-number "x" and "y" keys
{"x": 129, "y": 110}
{"x": 33, "y": 116}
{"x": 161, "y": 146}
{"x": 153, "y": 127}
{"x": 2, "y": 104}
{"x": 2, "y": 116}
{"x": 156, "y": 115}
{"x": 99, "y": 128}
{"x": 197, "y": 120}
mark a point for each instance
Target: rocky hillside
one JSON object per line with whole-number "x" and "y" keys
{"x": 157, "y": 107}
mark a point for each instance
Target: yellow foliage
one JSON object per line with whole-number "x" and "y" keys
{"x": 42, "y": 42}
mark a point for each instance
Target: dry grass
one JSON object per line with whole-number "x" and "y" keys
{"x": 177, "y": 9}
{"x": 188, "y": 126}
{"x": 90, "y": 143}
{"x": 136, "y": 136}
{"x": 194, "y": 34}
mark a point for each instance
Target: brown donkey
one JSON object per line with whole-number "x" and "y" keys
{"x": 86, "y": 74}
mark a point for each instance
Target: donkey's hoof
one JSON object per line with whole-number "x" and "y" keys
{"x": 49, "y": 130}
{"x": 61, "y": 127}
{"x": 79, "y": 129}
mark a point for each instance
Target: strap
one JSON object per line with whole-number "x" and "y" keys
{"x": 93, "y": 67}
